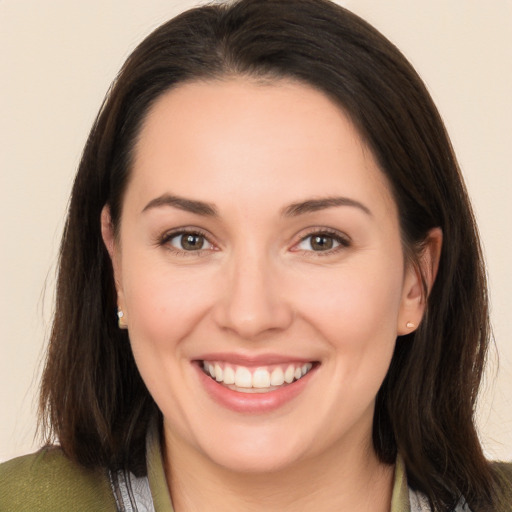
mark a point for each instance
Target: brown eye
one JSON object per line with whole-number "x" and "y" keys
{"x": 321, "y": 243}
{"x": 189, "y": 242}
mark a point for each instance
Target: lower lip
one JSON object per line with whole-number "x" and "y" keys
{"x": 255, "y": 403}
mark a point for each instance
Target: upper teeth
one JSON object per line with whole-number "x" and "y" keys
{"x": 260, "y": 377}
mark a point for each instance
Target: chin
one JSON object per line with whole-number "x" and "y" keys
{"x": 254, "y": 450}
{"x": 255, "y": 461}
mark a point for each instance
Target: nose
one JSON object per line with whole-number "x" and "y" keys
{"x": 253, "y": 301}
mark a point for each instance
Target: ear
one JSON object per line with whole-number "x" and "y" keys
{"x": 414, "y": 295}
{"x": 109, "y": 239}
{"x": 107, "y": 230}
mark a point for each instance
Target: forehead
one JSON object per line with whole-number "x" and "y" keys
{"x": 238, "y": 137}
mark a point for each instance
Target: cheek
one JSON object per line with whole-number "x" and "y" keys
{"x": 355, "y": 311}
{"x": 164, "y": 306}
{"x": 360, "y": 300}
{"x": 163, "y": 303}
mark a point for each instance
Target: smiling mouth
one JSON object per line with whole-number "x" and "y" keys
{"x": 261, "y": 379}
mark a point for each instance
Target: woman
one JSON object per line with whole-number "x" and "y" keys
{"x": 271, "y": 292}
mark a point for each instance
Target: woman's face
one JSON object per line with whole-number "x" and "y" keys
{"x": 259, "y": 242}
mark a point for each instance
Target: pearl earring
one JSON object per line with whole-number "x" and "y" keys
{"x": 409, "y": 325}
{"x": 120, "y": 322}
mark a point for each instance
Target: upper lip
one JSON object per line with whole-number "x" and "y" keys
{"x": 253, "y": 359}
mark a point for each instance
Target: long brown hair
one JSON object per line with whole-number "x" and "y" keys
{"x": 93, "y": 399}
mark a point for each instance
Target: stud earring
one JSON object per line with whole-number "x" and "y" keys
{"x": 409, "y": 325}
{"x": 120, "y": 322}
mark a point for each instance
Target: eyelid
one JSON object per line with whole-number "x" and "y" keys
{"x": 164, "y": 238}
{"x": 342, "y": 238}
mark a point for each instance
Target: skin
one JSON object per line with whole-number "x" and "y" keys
{"x": 259, "y": 286}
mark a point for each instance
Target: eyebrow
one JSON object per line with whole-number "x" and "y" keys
{"x": 188, "y": 205}
{"x": 313, "y": 205}
{"x": 293, "y": 210}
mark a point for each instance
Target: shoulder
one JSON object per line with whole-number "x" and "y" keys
{"x": 48, "y": 480}
{"x": 504, "y": 471}
{"x": 504, "y": 468}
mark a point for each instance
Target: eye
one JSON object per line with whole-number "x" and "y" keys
{"x": 322, "y": 242}
{"x": 189, "y": 242}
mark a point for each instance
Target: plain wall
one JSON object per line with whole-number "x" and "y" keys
{"x": 57, "y": 59}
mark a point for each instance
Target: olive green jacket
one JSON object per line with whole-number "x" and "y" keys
{"x": 47, "y": 481}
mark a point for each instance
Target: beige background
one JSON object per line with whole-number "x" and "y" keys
{"x": 57, "y": 58}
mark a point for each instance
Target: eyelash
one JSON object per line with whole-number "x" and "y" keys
{"x": 342, "y": 240}
{"x": 170, "y": 235}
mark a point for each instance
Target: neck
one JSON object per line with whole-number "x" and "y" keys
{"x": 345, "y": 478}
